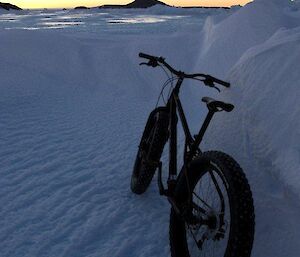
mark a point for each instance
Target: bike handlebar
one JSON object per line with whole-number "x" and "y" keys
{"x": 147, "y": 56}
{"x": 154, "y": 61}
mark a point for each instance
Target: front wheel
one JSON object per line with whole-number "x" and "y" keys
{"x": 215, "y": 197}
{"x": 150, "y": 150}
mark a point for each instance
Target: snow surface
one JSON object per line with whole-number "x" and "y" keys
{"x": 73, "y": 106}
{"x": 108, "y": 20}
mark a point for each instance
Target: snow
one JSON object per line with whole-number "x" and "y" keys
{"x": 266, "y": 92}
{"x": 108, "y": 20}
{"x": 74, "y": 101}
{"x": 269, "y": 108}
{"x": 263, "y": 133}
{"x": 248, "y": 27}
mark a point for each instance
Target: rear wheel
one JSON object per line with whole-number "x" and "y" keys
{"x": 150, "y": 150}
{"x": 217, "y": 203}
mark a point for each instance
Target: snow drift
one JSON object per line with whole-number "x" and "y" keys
{"x": 224, "y": 42}
{"x": 258, "y": 49}
{"x": 269, "y": 109}
{"x": 265, "y": 82}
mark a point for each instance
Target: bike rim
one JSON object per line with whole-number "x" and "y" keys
{"x": 143, "y": 152}
{"x": 210, "y": 240}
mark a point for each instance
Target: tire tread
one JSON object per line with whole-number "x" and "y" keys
{"x": 243, "y": 219}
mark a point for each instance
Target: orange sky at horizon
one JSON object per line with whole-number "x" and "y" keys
{"x": 28, "y": 4}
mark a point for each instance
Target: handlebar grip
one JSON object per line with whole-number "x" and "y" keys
{"x": 147, "y": 56}
{"x": 220, "y": 82}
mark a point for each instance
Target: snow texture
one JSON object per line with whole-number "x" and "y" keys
{"x": 74, "y": 101}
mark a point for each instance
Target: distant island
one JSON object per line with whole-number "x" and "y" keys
{"x": 150, "y": 3}
{"x": 135, "y": 4}
{"x": 8, "y": 6}
{"x": 81, "y": 8}
{"x": 204, "y": 7}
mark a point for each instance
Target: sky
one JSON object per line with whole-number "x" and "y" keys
{"x": 92, "y": 3}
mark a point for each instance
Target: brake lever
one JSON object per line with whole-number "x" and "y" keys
{"x": 218, "y": 89}
{"x": 209, "y": 82}
{"x": 151, "y": 63}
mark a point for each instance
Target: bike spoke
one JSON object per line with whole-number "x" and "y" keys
{"x": 208, "y": 202}
{"x": 201, "y": 200}
{"x": 199, "y": 209}
{"x": 194, "y": 236}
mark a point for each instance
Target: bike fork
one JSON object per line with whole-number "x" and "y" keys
{"x": 162, "y": 190}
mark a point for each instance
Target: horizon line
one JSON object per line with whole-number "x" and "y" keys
{"x": 174, "y": 6}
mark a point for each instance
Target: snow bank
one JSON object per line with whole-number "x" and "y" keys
{"x": 258, "y": 50}
{"x": 225, "y": 42}
{"x": 266, "y": 121}
{"x": 260, "y": 45}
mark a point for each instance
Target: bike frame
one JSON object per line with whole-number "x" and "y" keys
{"x": 191, "y": 143}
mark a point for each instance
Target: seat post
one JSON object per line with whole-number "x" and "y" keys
{"x": 199, "y": 137}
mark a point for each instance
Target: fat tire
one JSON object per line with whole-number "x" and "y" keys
{"x": 156, "y": 133}
{"x": 241, "y": 206}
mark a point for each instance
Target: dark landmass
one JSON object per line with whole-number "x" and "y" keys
{"x": 204, "y": 7}
{"x": 81, "y": 8}
{"x": 135, "y": 4}
{"x": 8, "y": 6}
{"x": 150, "y": 3}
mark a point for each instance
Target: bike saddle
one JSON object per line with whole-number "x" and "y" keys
{"x": 217, "y": 106}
